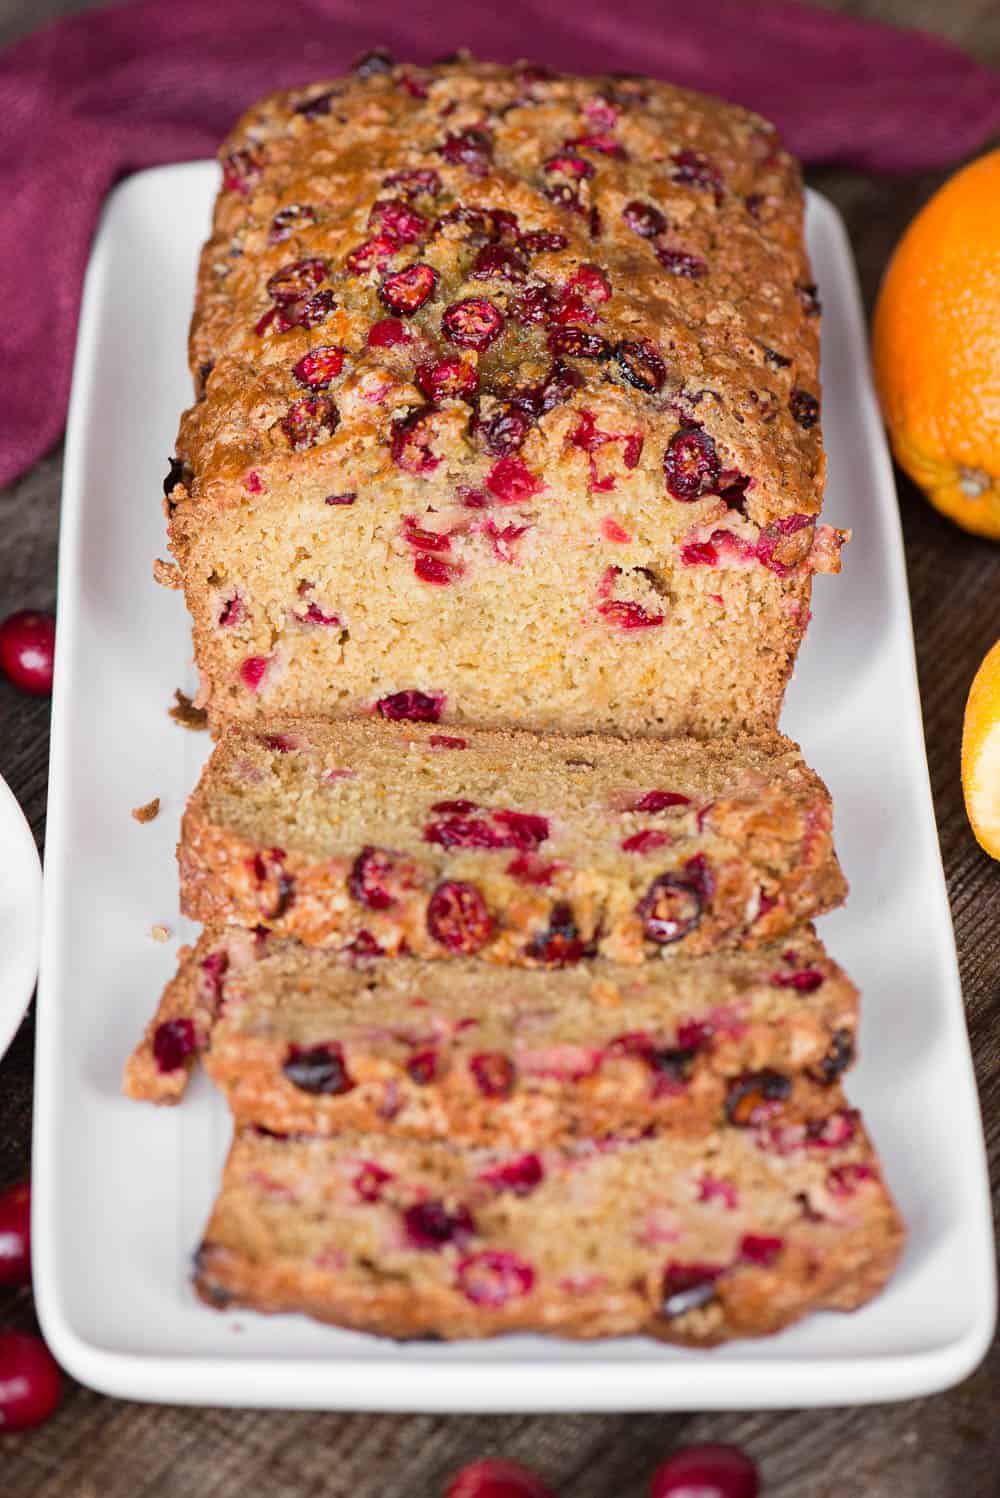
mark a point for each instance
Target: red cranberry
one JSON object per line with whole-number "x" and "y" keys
{"x": 497, "y": 260}
{"x": 410, "y": 443}
{"x": 27, "y": 650}
{"x": 315, "y": 615}
{"x": 653, "y": 801}
{"x": 240, "y": 170}
{"x": 681, "y": 262}
{"x": 173, "y": 1043}
{"x": 522, "y": 829}
{"x": 397, "y": 220}
{"x": 416, "y": 180}
{"x": 628, "y": 615}
{"x": 430, "y": 1225}
{"x": 760, "y": 1249}
{"x": 685, "y": 1287}
{"x": 533, "y": 306}
{"x": 422, "y": 1066}
{"x": 512, "y": 482}
{"x": 30, "y": 1381}
{"x": 457, "y": 808}
{"x": 458, "y": 918}
{"x": 435, "y": 570}
{"x": 311, "y": 312}
{"x": 296, "y": 280}
{"x": 447, "y": 741}
{"x": 520, "y": 1175}
{"x": 505, "y": 432}
{"x": 424, "y": 540}
{"x": 542, "y": 241}
{"x": 473, "y": 323}
{"x": 367, "y": 879}
{"x": 569, "y": 165}
{"x": 15, "y": 1234}
{"x": 307, "y": 419}
{"x": 560, "y": 944}
{"x": 805, "y": 408}
{"x": 493, "y": 1278}
{"x": 691, "y": 464}
{"x": 806, "y": 980}
{"x": 496, "y": 1479}
{"x": 644, "y": 219}
{"x": 316, "y": 369}
{"x": 606, "y": 144}
{"x": 531, "y": 870}
{"x": 709, "y": 1471}
{"x": 494, "y": 1073}
{"x": 416, "y": 707}
{"x": 591, "y": 282}
{"x": 318, "y": 1069}
{"x": 231, "y": 612}
{"x": 369, "y": 1181}
{"x": 252, "y": 671}
{"x": 573, "y": 309}
{"x": 373, "y": 253}
{"x": 317, "y": 105}
{"x": 785, "y": 543}
{"x": 448, "y": 378}
{"x": 646, "y": 841}
{"x": 578, "y": 343}
{"x": 696, "y": 170}
{"x": 387, "y": 333}
{"x": 287, "y": 221}
{"x": 275, "y": 320}
{"x": 755, "y": 1097}
{"x": 472, "y": 149}
{"x": 670, "y": 908}
{"x": 641, "y": 365}
{"x": 404, "y": 291}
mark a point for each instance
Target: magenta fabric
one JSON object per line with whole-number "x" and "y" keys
{"x": 96, "y": 96}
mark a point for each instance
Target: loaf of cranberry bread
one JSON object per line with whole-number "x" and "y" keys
{"x": 536, "y": 850}
{"x": 302, "y": 1041}
{"x": 694, "y": 1240}
{"x": 507, "y": 407}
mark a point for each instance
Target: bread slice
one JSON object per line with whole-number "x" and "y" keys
{"x": 522, "y": 849}
{"x": 302, "y": 1041}
{"x": 693, "y": 1240}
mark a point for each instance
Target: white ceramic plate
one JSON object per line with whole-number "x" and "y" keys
{"x": 122, "y": 1190}
{"x": 20, "y": 915}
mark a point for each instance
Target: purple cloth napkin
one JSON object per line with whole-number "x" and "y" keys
{"x": 98, "y": 95}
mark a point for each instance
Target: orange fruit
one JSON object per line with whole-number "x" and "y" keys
{"x": 936, "y": 348}
{"x": 981, "y": 754}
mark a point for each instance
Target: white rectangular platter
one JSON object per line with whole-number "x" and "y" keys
{"x": 122, "y": 1190}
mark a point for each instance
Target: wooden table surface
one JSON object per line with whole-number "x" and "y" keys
{"x": 944, "y": 1447}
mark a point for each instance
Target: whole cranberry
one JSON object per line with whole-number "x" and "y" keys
{"x": 496, "y": 1479}
{"x": 15, "y": 1235}
{"x": 709, "y": 1471}
{"x": 30, "y": 1381}
{"x": 27, "y": 648}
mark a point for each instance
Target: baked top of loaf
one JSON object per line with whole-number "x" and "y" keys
{"x": 305, "y": 1042}
{"x": 522, "y": 848}
{"x": 527, "y": 367}
{"x": 693, "y": 1240}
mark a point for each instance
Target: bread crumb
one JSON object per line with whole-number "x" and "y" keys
{"x": 167, "y": 574}
{"x": 148, "y": 812}
{"x": 186, "y": 714}
{"x": 160, "y": 932}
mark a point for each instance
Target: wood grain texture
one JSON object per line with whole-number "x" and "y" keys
{"x": 947, "y": 1447}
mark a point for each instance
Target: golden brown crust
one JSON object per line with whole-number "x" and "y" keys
{"x": 608, "y": 1243}
{"x": 587, "y": 1051}
{"x": 668, "y": 604}
{"x": 283, "y": 827}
